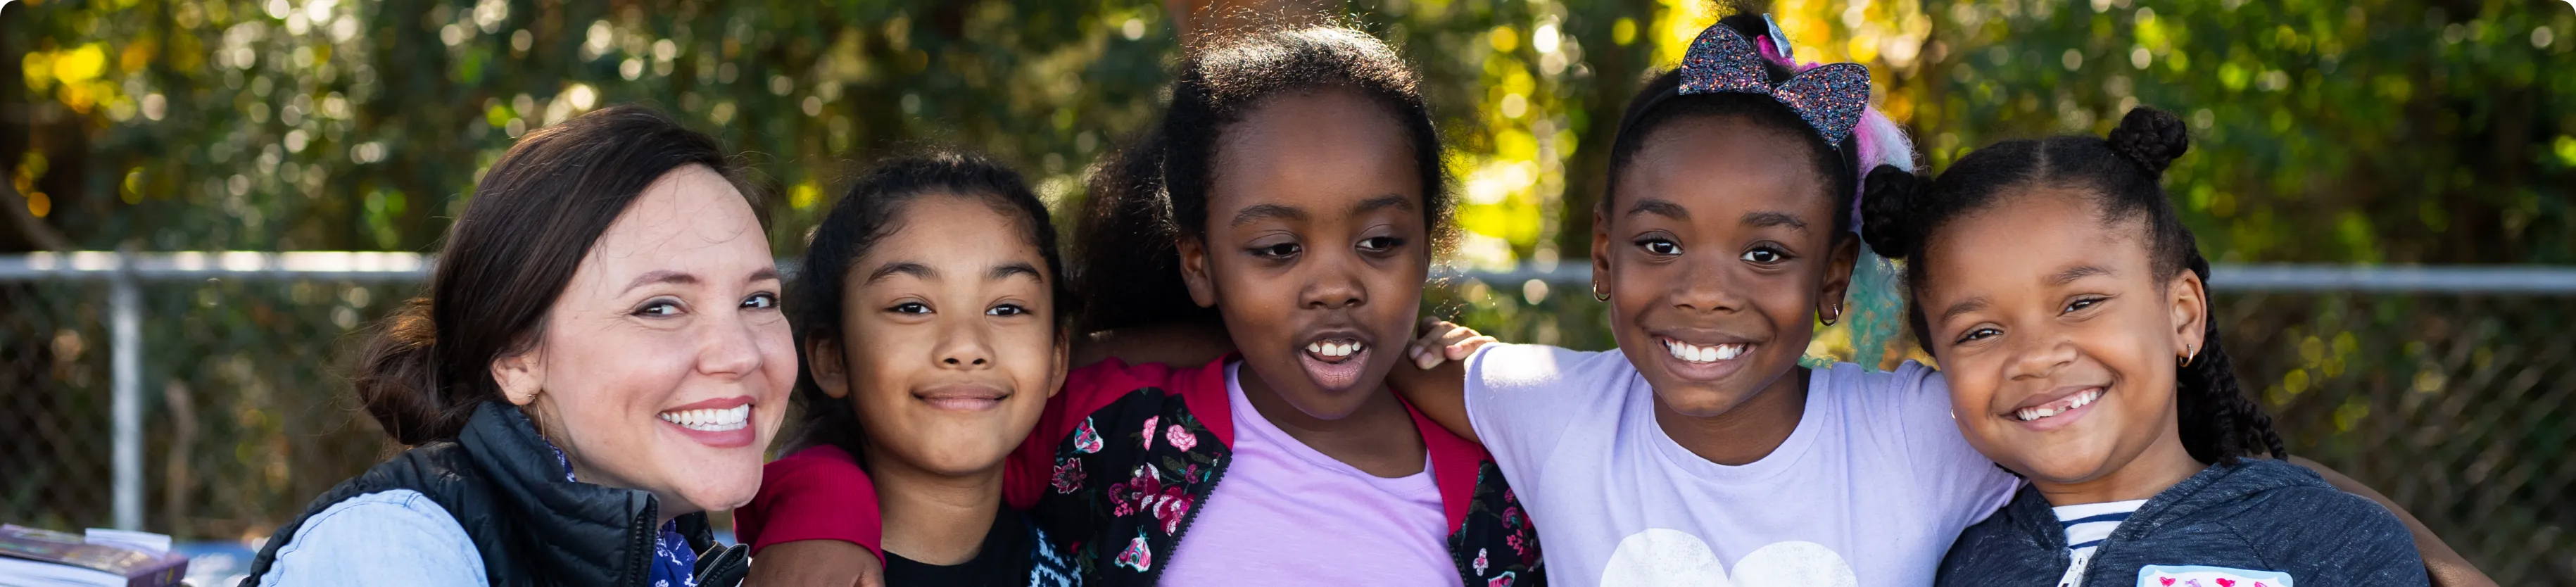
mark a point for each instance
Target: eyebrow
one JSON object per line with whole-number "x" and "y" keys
{"x": 917, "y": 270}
{"x": 2074, "y": 273}
{"x": 662, "y": 276}
{"x": 1659, "y": 208}
{"x": 1272, "y": 211}
{"x": 1384, "y": 202}
{"x": 1770, "y": 219}
{"x": 1007, "y": 270}
{"x": 1963, "y": 307}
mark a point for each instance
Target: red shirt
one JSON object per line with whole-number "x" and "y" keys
{"x": 818, "y": 493}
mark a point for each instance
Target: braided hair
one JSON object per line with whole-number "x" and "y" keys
{"x": 1155, "y": 190}
{"x": 1900, "y": 213}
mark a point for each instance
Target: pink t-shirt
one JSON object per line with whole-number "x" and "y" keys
{"x": 1285, "y": 514}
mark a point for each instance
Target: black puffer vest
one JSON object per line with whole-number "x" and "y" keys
{"x": 503, "y": 484}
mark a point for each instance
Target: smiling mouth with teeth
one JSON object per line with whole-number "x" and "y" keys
{"x": 712, "y": 419}
{"x": 2058, "y": 407}
{"x": 1335, "y": 351}
{"x": 1705, "y": 354}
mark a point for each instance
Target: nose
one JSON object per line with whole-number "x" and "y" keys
{"x": 1336, "y": 285}
{"x": 2041, "y": 354}
{"x": 962, "y": 346}
{"x": 1707, "y": 289}
{"x": 731, "y": 346}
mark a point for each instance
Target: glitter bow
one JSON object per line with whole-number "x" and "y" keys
{"x": 1829, "y": 97}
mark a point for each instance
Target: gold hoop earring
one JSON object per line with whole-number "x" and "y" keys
{"x": 2188, "y": 355}
{"x": 1599, "y": 294}
{"x": 1837, "y": 315}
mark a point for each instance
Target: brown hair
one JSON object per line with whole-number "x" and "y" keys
{"x": 531, "y": 221}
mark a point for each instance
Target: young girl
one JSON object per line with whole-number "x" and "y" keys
{"x": 1293, "y": 190}
{"x": 934, "y": 334}
{"x": 1701, "y": 448}
{"x": 2068, "y": 307}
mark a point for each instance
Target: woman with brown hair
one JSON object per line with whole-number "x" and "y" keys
{"x": 599, "y": 360}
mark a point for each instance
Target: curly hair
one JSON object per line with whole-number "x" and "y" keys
{"x": 1154, "y": 191}
{"x": 2123, "y": 172}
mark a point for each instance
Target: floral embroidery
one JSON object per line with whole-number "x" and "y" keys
{"x": 1180, "y": 439}
{"x": 1138, "y": 556}
{"x": 1505, "y": 580}
{"x": 1149, "y": 431}
{"x": 1170, "y": 508}
{"x": 1085, "y": 439}
{"x": 1068, "y": 475}
{"x": 1480, "y": 561}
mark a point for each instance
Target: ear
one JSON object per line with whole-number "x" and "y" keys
{"x": 521, "y": 374}
{"x": 830, "y": 368}
{"x": 1600, "y": 250}
{"x": 1063, "y": 360}
{"x": 1194, "y": 271}
{"x": 1838, "y": 273}
{"x": 2190, "y": 298}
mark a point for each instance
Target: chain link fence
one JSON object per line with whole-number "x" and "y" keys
{"x": 2453, "y": 402}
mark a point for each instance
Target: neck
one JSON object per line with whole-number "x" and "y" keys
{"x": 1379, "y": 438}
{"x": 930, "y": 517}
{"x": 2159, "y": 467}
{"x": 1745, "y": 433}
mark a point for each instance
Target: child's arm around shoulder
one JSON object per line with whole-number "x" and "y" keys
{"x": 1434, "y": 376}
{"x": 813, "y": 522}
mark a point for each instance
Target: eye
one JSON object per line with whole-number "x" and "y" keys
{"x": 2082, "y": 303}
{"x": 1007, "y": 310}
{"x": 1978, "y": 334}
{"x": 1766, "y": 255}
{"x": 1659, "y": 246}
{"x": 1380, "y": 244}
{"x": 909, "y": 308}
{"x": 658, "y": 308}
{"x": 761, "y": 301}
{"x": 1277, "y": 251}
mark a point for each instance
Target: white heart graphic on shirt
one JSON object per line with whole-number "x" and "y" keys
{"x": 1661, "y": 557}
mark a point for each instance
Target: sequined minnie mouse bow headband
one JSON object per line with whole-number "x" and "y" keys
{"x": 1829, "y": 97}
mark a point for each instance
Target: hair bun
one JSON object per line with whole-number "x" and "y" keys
{"x": 2152, "y": 138}
{"x": 397, "y": 379}
{"x": 1883, "y": 220}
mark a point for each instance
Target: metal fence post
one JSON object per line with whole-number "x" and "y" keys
{"x": 125, "y": 333}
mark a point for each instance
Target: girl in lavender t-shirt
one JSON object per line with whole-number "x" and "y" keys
{"x": 1702, "y": 449}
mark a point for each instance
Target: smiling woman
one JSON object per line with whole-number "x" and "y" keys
{"x": 599, "y": 360}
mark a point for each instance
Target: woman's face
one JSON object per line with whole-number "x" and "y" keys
{"x": 947, "y": 346}
{"x": 2056, "y": 336}
{"x": 1316, "y": 247}
{"x": 1718, "y": 252}
{"x": 665, "y": 364}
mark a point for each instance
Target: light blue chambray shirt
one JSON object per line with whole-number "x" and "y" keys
{"x": 396, "y": 538}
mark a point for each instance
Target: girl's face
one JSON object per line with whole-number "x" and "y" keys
{"x": 2056, "y": 335}
{"x": 665, "y": 363}
{"x": 1316, "y": 247}
{"x": 1717, "y": 254}
{"x": 947, "y": 346}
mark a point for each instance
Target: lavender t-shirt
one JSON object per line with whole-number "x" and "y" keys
{"x": 1285, "y": 514}
{"x": 1871, "y": 488}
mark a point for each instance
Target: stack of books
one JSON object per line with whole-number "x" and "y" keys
{"x": 31, "y": 557}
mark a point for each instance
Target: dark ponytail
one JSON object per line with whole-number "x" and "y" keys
{"x": 1155, "y": 190}
{"x": 531, "y": 221}
{"x": 2219, "y": 422}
